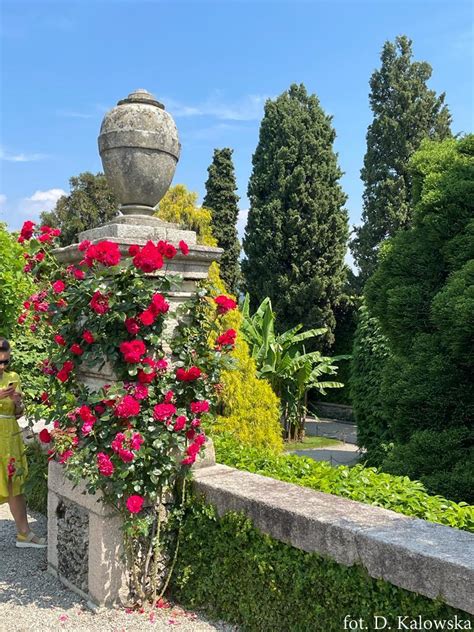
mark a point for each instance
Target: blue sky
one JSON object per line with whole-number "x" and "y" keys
{"x": 213, "y": 64}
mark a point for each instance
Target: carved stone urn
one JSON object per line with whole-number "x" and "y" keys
{"x": 139, "y": 148}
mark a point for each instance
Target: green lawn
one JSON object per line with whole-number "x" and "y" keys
{"x": 309, "y": 443}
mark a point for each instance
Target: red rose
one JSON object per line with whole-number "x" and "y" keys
{"x": 159, "y": 304}
{"x": 141, "y": 391}
{"x": 76, "y": 349}
{"x": 99, "y": 303}
{"x": 62, "y": 375}
{"x": 170, "y": 251}
{"x": 40, "y": 256}
{"x": 27, "y": 231}
{"x": 65, "y": 456}
{"x": 147, "y": 317}
{"x": 226, "y": 339}
{"x": 104, "y": 464}
{"x": 161, "y": 412}
{"x": 84, "y": 245}
{"x": 133, "y": 250}
{"x": 162, "y": 364}
{"x": 189, "y": 375}
{"x": 78, "y": 274}
{"x": 146, "y": 377}
{"x": 118, "y": 442}
{"x": 135, "y": 503}
{"x": 60, "y": 340}
{"x": 45, "y": 239}
{"x": 136, "y": 441}
{"x": 58, "y": 286}
{"x": 105, "y": 252}
{"x": 127, "y": 407}
{"x": 183, "y": 246}
{"x": 224, "y": 304}
{"x": 88, "y": 336}
{"x": 169, "y": 396}
{"x": 148, "y": 259}
{"x": 85, "y": 413}
{"x": 126, "y": 455}
{"x": 180, "y": 423}
{"x": 199, "y": 407}
{"x": 45, "y": 436}
{"x": 61, "y": 303}
{"x": 132, "y": 326}
{"x": 133, "y": 351}
{"x": 68, "y": 366}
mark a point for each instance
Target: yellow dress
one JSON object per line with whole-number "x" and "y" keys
{"x": 13, "y": 465}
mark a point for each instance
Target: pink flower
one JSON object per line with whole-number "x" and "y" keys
{"x": 141, "y": 391}
{"x": 199, "y": 407}
{"x": 195, "y": 423}
{"x": 135, "y": 503}
{"x": 128, "y": 407}
{"x": 104, "y": 464}
{"x": 76, "y": 349}
{"x": 189, "y": 375}
{"x": 133, "y": 351}
{"x": 169, "y": 396}
{"x": 161, "y": 412}
{"x": 58, "y": 286}
{"x": 87, "y": 427}
{"x": 118, "y": 442}
{"x": 126, "y": 455}
{"x": 183, "y": 246}
{"x": 162, "y": 364}
{"x": 136, "y": 441}
{"x": 88, "y": 336}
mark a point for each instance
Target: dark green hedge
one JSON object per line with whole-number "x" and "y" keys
{"x": 234, "y": 572}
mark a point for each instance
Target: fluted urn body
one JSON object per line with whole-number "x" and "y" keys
{"x": 139, "y": 148}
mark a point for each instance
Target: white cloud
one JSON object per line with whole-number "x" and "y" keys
{"x": 247, "y": 108}
{"x": 39, "y": 202}
{"x": 20, "y": 157}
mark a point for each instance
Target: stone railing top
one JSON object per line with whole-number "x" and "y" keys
{"x": 420, "y": 556}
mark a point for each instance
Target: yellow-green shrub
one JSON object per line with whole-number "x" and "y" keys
{"x": 250, "y": 409}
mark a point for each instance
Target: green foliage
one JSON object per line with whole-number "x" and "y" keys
{"x": 295, "y": 238}
{"x": 405, "y": 112}
{"x": 36, "y": 486}
{"x": 180, "y": 206}
{"x": 445, "y": 458}
{"x": 28, "y": 352}
{"x": 235, "y": 572}
{"x": 281, "y": 359}
{"x": 360, "y": 483}
{"x": 90, "y": 204}
{"x": 15, "y": 286}
{"x": 422, "y": 294}
{"x": 369, "y": 358}
{"x": 222, "y": 200}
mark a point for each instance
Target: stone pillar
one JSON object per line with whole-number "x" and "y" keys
{"x": 139, "y": 149}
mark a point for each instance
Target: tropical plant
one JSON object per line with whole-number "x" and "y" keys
{"x": 281, "y": 359}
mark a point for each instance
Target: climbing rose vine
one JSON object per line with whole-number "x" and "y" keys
{"x": 135, "y": 437}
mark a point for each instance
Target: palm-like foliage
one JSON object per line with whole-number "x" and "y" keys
{"x": 282, "y": 360}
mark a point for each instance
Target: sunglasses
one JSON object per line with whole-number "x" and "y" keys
{"x": 5, "y": 362}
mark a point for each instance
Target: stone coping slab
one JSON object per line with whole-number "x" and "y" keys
{"x": 423, "y": 557}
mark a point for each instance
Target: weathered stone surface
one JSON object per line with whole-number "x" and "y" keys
{"x": 139, "y": 148}
{"x": 423, "y": 557}
{"x": 73, "y": 543}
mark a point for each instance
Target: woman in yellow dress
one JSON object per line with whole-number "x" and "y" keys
{"x": 13, "y": 465}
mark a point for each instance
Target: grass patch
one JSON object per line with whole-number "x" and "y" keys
{"x": 310, "y": 443}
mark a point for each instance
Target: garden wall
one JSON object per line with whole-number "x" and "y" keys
{"x": 422, "y": 557}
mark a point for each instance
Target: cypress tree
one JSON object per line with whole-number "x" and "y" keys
{"x": 296, "y": 234}
{"x": 405, "y": 112}
{"x": 222, "y": 200}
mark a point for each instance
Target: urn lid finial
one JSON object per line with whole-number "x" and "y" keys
{"x": 142, "y": 96}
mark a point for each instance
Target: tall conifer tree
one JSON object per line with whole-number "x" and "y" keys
{"x": 405, "y": 112}
{"x": 222, "y": 200}
{"x": 296, "y": 235}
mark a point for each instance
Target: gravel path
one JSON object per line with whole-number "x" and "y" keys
{"x": 32, "y": 600}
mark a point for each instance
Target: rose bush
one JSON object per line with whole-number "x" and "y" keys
{"x": 135, "y": 438}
